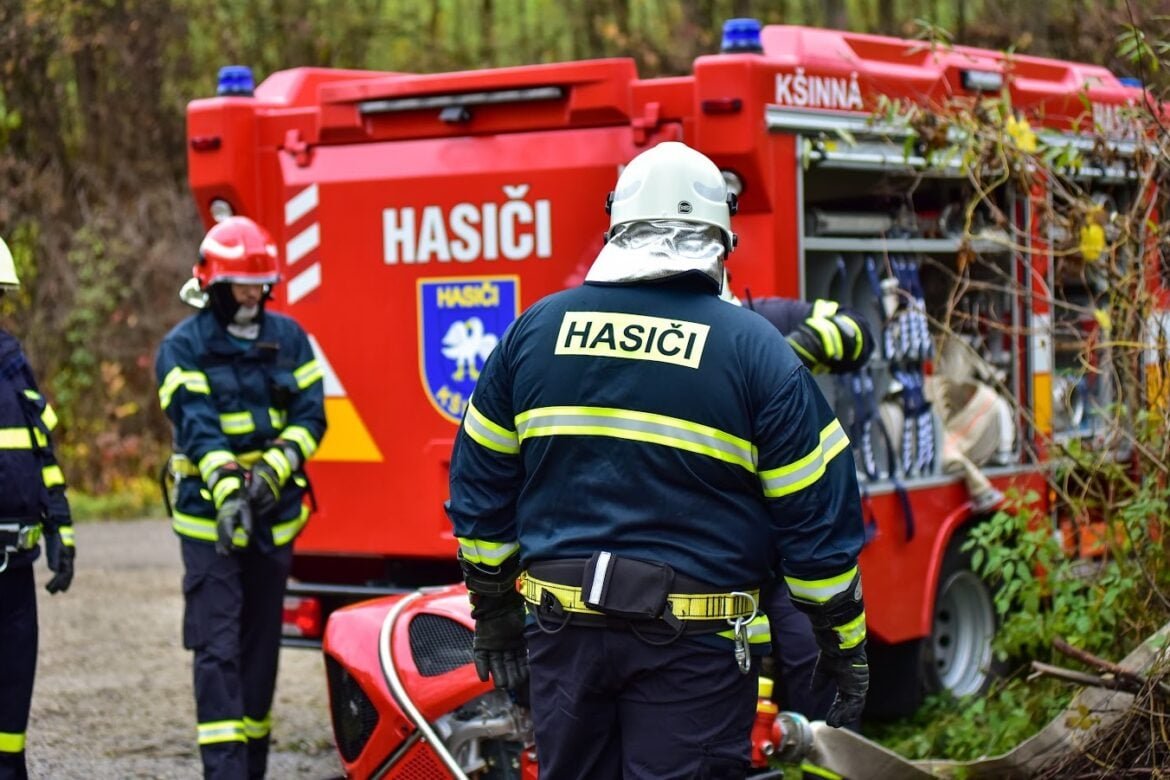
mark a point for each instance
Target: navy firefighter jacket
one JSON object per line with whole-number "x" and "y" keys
{"x": 657, "y": 422}
{"x": 229, "y": 399}
{"x": 32, "y": 487}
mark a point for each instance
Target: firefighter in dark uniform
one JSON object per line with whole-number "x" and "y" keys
{"x": 641, "y": 456}
{"x": 32, "y": 505}
{"x": 245, "y": 395}
{"x": 828, "y": 338}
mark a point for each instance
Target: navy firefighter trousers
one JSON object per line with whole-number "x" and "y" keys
{"x": 18, "y": 653}
{"x": 232, "y": 622}
{"x": 607, "y": 704}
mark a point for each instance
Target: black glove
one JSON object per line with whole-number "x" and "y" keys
{"x": 851, "y": 674}
{"x": 61, "y": 554}
{"x": 499, "y": 647}
{"x": 839, "y": 628}
{"x": 268, "y": 476}
{"x": 233, "y": 524}
{"x": 498, "y": 610}
{"x": 807, "y": 345}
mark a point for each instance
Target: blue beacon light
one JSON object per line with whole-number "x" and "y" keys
{"x": 741, "y": 36}
{"x": 235, "y": 81}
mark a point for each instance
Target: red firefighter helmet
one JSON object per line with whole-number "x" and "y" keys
{"x": 236, "y": 250}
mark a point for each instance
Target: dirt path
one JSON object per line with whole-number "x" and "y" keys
{"x": 113, "y": 692}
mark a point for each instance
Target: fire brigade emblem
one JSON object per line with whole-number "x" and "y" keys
{"x": 460, "y": 322}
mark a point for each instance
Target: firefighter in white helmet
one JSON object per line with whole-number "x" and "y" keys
{"x": 32, "y": 505}
{"x": 244, "y": 392}
{"x": 644, "y": 458}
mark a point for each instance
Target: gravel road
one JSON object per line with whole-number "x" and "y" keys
{"x": 113, "y": 692}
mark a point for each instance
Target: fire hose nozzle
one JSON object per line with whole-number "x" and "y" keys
{"x": 792, "y": 738}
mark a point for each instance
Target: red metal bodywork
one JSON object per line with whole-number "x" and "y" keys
{"x": 334, "y": 183}
{"x": 352, "y": 639}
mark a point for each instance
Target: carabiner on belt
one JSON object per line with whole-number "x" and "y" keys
{"x": 743, "y": 656}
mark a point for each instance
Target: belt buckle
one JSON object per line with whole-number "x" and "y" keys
{"x": 28, "y": 536}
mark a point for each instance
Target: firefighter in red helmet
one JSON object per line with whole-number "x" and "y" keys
{"x": 32, "y": 505}
{"x": 244, "y": 392}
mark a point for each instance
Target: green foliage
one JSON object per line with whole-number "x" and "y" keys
{"x": 132, "y": 498}
{"x": 1042, "y": 592}
{"x": 974, "y": 727}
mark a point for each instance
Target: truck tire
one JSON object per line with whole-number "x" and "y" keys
{"x": 955, "y": 657}
{"x": 958, "y": 656}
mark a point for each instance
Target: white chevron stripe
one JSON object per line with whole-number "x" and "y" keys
{"x": 304, "y": 283}
{"x": 303, "y": 243}
{"x": 333, "y": 388}
{"x": 300, "y": 204}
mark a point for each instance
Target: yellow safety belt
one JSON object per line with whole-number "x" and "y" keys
{"x": 684, "y": 606}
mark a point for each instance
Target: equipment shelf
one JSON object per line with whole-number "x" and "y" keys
{"x": 899, "y": 245}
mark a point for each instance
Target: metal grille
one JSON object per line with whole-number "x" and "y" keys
{"x": 439, "y": 645}
{"x": 420, "y": 763}
{"x": 354, "y": 716}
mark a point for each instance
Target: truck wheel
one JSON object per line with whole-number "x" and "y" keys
{"x": 957, "y": 656}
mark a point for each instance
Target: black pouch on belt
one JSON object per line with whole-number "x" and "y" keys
{"x": 626, "y": 587}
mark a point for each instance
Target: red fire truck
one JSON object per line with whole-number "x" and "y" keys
{"x": 418, "y": 214}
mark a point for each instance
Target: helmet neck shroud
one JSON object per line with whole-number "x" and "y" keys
{"x": 224, "y": 305}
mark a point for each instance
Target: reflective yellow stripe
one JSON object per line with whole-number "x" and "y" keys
{"x": 222, "y": 731}
{"x": 278, "y": 418}
{"x": 303, "y": 439}
{"x": 203, "y": 529}
{"x": 11, "y": 743}
{"x": 486, "y": 553}
{"x": 194, "y": 527}
{"x": 685, "y": 606}
{"x": 795, "y": 477}
{"x": 279, "y": 463}
{"x": 759, "y": 631}
{"x": 258, "y": 729}
{"x": 820, "y": 591}
{"x": 489, "y": 434}
{"x": 213, "y": 460}
{"x": 308, "y": 373}
{"x": 236, "y": 423}
{"x": 851, "y": 634}
{"x": 182, "y": 466}
{"x": 817, "y": 771}
{"x": 225, "y": 487}
{"x": 824, "y": 308}
{"x": 52, "y": 476}
{"x": 857, "y": 341}
{"x": 194, "y": 381}
{"x": 66, "y": 534}
{"x": 283, "y": 533}
{"x": 637, "y": 426}
{"x": 15, "y": 439}
{"x": 49, "y": 418}
{"x": 830, "y": 337}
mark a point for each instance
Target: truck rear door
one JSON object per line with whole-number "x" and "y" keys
{"x": 411, "y": 242}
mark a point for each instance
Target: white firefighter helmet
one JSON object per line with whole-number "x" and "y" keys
{"x": 672, "y": 181}
{"x": 8, "y": 278}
